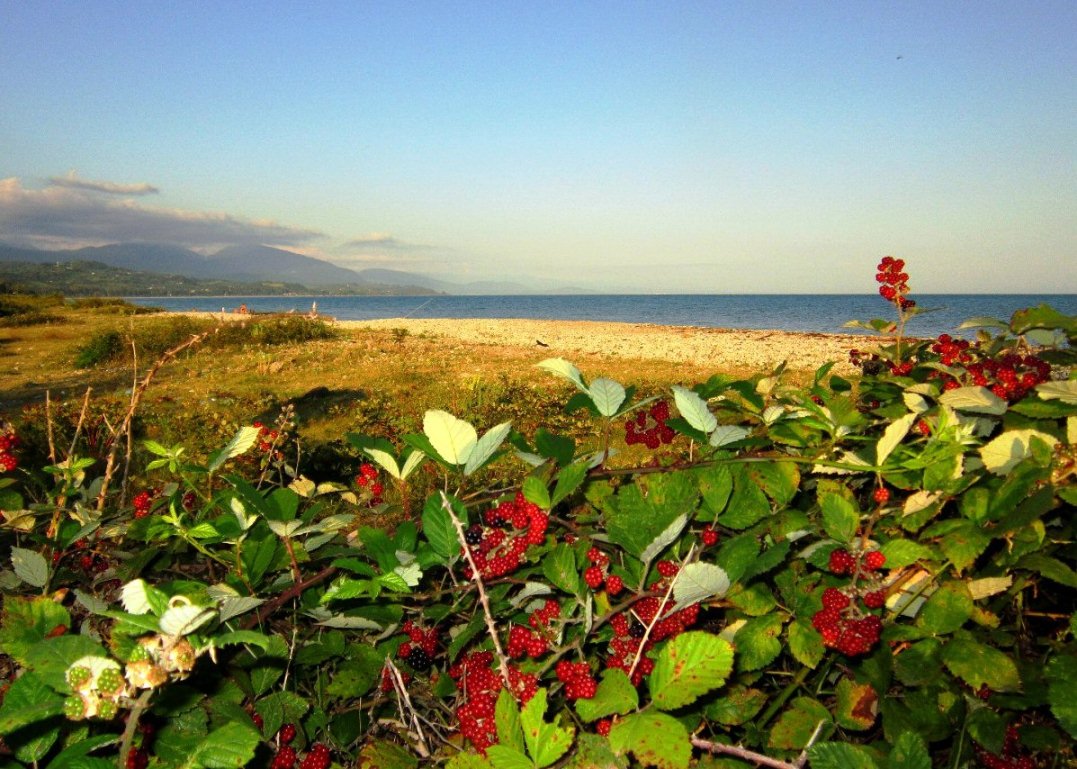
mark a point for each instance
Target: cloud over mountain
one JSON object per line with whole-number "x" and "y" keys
{"x": 78, "y": 212}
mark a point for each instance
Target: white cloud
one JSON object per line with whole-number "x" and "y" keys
{"x": 76, "y": 215}
{"x": 73, "y": 181}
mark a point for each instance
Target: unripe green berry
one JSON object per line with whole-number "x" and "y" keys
{"x": 107, "y": 710}
{"x": 78, "y": 676}
{"x": 74, "y": 707}
{"x": 109, "y": 681}
{"x": 138, "y": 654}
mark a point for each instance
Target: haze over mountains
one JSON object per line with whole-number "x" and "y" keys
{"x": 256, "y": 263}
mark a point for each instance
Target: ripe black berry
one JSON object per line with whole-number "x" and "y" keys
{"x": 473, "y": 536}
{"x": 418, "y": 658}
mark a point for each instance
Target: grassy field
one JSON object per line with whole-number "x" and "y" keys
{"x": 334, "y": 381}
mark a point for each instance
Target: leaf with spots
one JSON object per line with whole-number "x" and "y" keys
{"x": 688, "y": 667}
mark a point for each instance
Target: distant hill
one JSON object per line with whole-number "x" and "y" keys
{"x": 257, "y": 262}
{"x": 83, "y": 278}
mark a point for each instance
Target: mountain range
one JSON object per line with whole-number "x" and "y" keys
{"x": 259, "y": 264}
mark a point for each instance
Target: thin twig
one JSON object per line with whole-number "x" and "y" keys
{"x": 748, "y": 755}
{"x": 48, "y": 428}
{"x": 658, "y": 613}
{"x": 407, "y": 709}
{"x": 136, "y": 397}
{"x": 81, "y": 422}
{"x": 271, "y": 606}
{"x": 491, "y": 626}
{"x": 802, "y": 760}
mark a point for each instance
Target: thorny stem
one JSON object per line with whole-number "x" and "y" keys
{"x": 132, "y": 725}
{"x": 297, "y": 575}
{"x": 658, "y": 614}
{"x": 484, "y": 600}
{"x": 748, "y": 755}
{"x": 269, "y": 607}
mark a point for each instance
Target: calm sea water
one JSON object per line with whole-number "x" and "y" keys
{"x": 785, "y": 312}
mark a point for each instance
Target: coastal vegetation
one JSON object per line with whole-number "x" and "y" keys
{"x": 277, "y": 543}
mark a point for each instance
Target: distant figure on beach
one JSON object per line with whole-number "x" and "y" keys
{"x": 314, "y": 309}
{"x": 242, "y": 309}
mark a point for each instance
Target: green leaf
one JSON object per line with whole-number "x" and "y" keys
{"x": 594, "y": 752}
{"x": 546, "y": 743}
{"x": 893, "y": 436}
{"x": 280, "y": 708}
{"x": 51, "y": 658}
{"x": 655, "y": 739}
{"x": 504, "y": 757}
{"x": 615, "y": 696}
{"x": 240, "y": 443}
{"x": 979, "y": 400}
{"x": 699, "y": 581}
{"x": 748, "y": 505}
{"x": 797, "y": 724}
{"x": 77, "y": 756}
{"x": 381, "y": 754}
{"x": 507, "y": 718}
{"x": 486, "y": 446}
{"x": 1052, "y": 568}
{"x": 535, "y": 492}
{"x": 909, "y": 752}
{"x": 568, "y": 480}
{"x": 30, "y": 693}
{"x": 694, "y": 409}
{"x": 962, "y": 542}
{"x": 562, "y": 368}
{"x": 737, "y": 555}
{"x": 453, "y": 439}
{"x": 738, "y": 707}
{"x": 607, "y": 396}
{"x": 359, "y": 674}
{"x": 28, "y": 621}
{"x": 639, "y": 514}
{"x": 905, "y": 552}
{"x": 664, "y": 539}
{"x": 438, "y": 527}
{"x": 559, "y": 567}
{"x": 1062, "y": 691}
{"x": 385, "y": 461}
{"x": 30, "y": 566}
{"x": 1004, "y": 452}
{"x": 229, "y": 747}
{"x": 689, "y": 666}
{"x": 840, "y": 755}
{"x": 947, "y": 609}
{"x": 857, "y": 706}
{"x": 805, "y": 643}
{"x": 840, "y": 518}
{"x": 1065, "y": 391}
{"x": 756, "y": 643}
{"x": 977, "y": 664}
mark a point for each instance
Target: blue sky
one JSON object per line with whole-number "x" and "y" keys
{"x": 656, "y": 146}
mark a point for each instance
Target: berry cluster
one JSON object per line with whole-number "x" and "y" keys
{"x": 9, "y": 441}
{"x": 891, "y": 274}
{"x": 1009, "y": 758}
{"x": 628, "y": 634}
{"x": 267, "y": 441}
{"x": 649, "y": 427}
{"x": 525, "y": 642}
{"x": 541, "y": 618}
{"x": 97, "y": 685}
{"x": 480, "y": 685}
{"x": 842, "y": 624}
{"x": 156, "y": 658}
{"x": 317, "y": 758}
{"x": 498, "y": 547}
{"x": 709, "y": 536}
{"x": 577, "y": 678}
{"x": 595, "y": 574}
{"x": 420, "y": 648}
{"x": 143, "y": 502}
{"x": 368, "y": 479}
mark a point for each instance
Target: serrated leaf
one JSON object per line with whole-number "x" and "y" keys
{"x": 723, "y": 435}
{"x": 438, "y": 527}
{"x": 797, "y": 724}
{"x": 504, "y": 757}
{"x": 415, "y": 458}
{"x": 978, "y": 400}
{"x": 486, "y": 446}
{"x": 805, "y": 644}
{"x": 840, "y": 518}
{"x": 229, "y": 747}
{"x": 568, "y": 480}
{"x": 562, "y": 368}
{"x": 381, "y": 754}
{"x": 1062, "y": 691}
{"x": 664, "y": 539}
{"x": 840, "y": 755}
{"x": 385, "y": 461}
{"x": 1065, "y": 391}
{"x": 507, "y": 718}
{"x": 1004, "y": 452}
{"x": 535, "y": 491}
{"x": 948, "y": 609}
{"x": 240, "y": 443}
{"x": 893, "y": 436}
{"x": 977, "y": 664}
{"x": 756, "y": 643}
{"x": 699, "y": 581}
{"x": 183, "y": 618}
{"x": 28, "y": 693}
{"x": 30, "y": 566}
{"x": 453, "y": 439}
{"x": 909, "y": 752}
{"x": 546, "y": 743}
{"x": 135, "y": 597}
{"x": 689, "y": 666}
{"x": 607, "y": 396}
{"x": 857, "y": 705}
{"x": 694, "y": 409}
{"x": 559, "y": 567}
{"x": 615, "y": 696}
{"x": 655, "y": 739}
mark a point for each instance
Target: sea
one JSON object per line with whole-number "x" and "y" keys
{"x": 821, "y": 313}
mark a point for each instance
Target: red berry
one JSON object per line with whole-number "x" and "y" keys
{"x": 593, "y": 576}
{"x": 603, "y": 727}
{"x": 614, "y": 585}
{"x": 709, "y": 536}
{"x": 668, "y": 568}
{"x": 287, "y": 734}
{"x": 882, "y": 495}
{"x": 841, "y": 562}
{"x": 876, "y": 599}
{"x": 874, "y": 561}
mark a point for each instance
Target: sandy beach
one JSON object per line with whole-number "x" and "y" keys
{"x": 709, "y": 347}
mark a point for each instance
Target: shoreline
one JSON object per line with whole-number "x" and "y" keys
{"x": 700, "y": 345}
